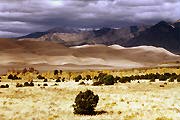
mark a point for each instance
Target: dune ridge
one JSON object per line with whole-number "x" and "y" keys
{"x": 46, "y": 53}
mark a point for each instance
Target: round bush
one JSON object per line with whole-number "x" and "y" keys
{"x": 178, "y": 79}
{"x": 58, "y": 80}
{"x": 45, "y": 84}
{"x": 88, "y": 77}
{"x": 31, "y": 84}
{"x": 45, "y": 80}
{"x": 85, "y": 103}
{"x": 10, "y": 76}
{"x": 108, "y": 80}
{"x": 26, "y": 84}
{"x": 56, "y": 72}
{"x": 40, "y": 77}
{"x": 79, "y": 77}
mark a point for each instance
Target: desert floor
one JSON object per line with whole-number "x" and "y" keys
{"x": 128, "y": 101}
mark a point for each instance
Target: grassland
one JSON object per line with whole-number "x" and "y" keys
{"x": 121, "y": 101}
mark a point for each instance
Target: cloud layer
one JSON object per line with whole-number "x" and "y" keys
{"x": 19, "y": 17}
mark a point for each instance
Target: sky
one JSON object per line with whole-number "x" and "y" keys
{"x": 20, "y": 17}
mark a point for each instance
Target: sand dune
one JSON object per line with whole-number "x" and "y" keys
{"x": 28, "y": 53}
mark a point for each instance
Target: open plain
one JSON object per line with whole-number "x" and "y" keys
{"x": 122, "y": 101}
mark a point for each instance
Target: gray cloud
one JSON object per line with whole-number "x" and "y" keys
{"x": 19, "y": 17}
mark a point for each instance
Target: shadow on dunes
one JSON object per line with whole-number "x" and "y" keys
{"x": 54, "y": 54}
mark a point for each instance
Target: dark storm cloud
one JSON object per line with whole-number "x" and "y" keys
{"x": 19, "y": 17}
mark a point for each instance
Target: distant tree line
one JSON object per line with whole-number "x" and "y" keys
{"x": 104, "y": 78}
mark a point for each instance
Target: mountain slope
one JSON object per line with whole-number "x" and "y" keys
{"x": 73, "y": 37}
{"x": 162, "y": 34}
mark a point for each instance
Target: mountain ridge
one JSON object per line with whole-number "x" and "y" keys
{"x": 162, "y": 34}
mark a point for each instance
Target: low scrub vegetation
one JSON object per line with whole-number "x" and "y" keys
{"x": 40, "y": 77}
{"x": 58, "y": 80}
{"x": 45, "y": 84}
{"x": 85, "y": 103}
{"x": 45, "y": 80}
{"x": 13, "y": 77}
{"x": 79, "y": 77}
{"x": 26, "y": 84}
{"x": 19, "y": 85}
{"x": 4, "y": 86}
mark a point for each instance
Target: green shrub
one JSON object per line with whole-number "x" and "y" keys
{"x": 82, "y": 83}
{"x": 13, "y": 77}
{"x": 79, "y": 77}
{"x": 7, "y": 86}
{"x": 101, "y": 76}
{"x": 85, "y": 103}
{"x": 161, "y": 85}
{"x": 125, "y": 79}
{"x": 97, "y": 83}
{"x": 60, "y": 71}
{"x": 152, "y": 80}
{"x": 19, "y": 85}
{"x": 178, "y": 79}
{"x": 4, "y": 86}
{"x": 163, "y": 78}
{"x": 56, "y": 72}
{"x": 63, "y": 79}
{"x": 171, "y": 79}
{"x": 45, "y": 80}
{"x": 117, "y": 78}
{"x": 108, "y": 80}
{"x": 10, "y": 76}
{"x": 58, "y": 80}
{"x": 45, "y": 84}
{"x": 88, "y": 77}
{"x": 31, "y": 84}
{"x": 40, "y": 77}
{"x": 26, "y": 84}
{"x": 165, "y": 83}
{"x": 95, "y": 77}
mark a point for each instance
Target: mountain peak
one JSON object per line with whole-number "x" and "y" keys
{"x": 162, "y": 26}
{"x": 162, "y": 23}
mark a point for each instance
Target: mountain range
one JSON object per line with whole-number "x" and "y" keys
{"x": 162, "y": 34}
{"x": 105, "y": 48}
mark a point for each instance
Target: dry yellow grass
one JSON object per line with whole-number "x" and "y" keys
{"x": 130, "y": 101}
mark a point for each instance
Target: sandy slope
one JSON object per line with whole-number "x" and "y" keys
{"x": 41, "y": 53}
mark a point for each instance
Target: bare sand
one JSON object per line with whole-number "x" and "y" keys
{"x": 48, "y": 55}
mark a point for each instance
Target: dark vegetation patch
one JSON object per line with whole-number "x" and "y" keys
{"x": 85, "y": 103}
{"x": 4, "y": 86}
